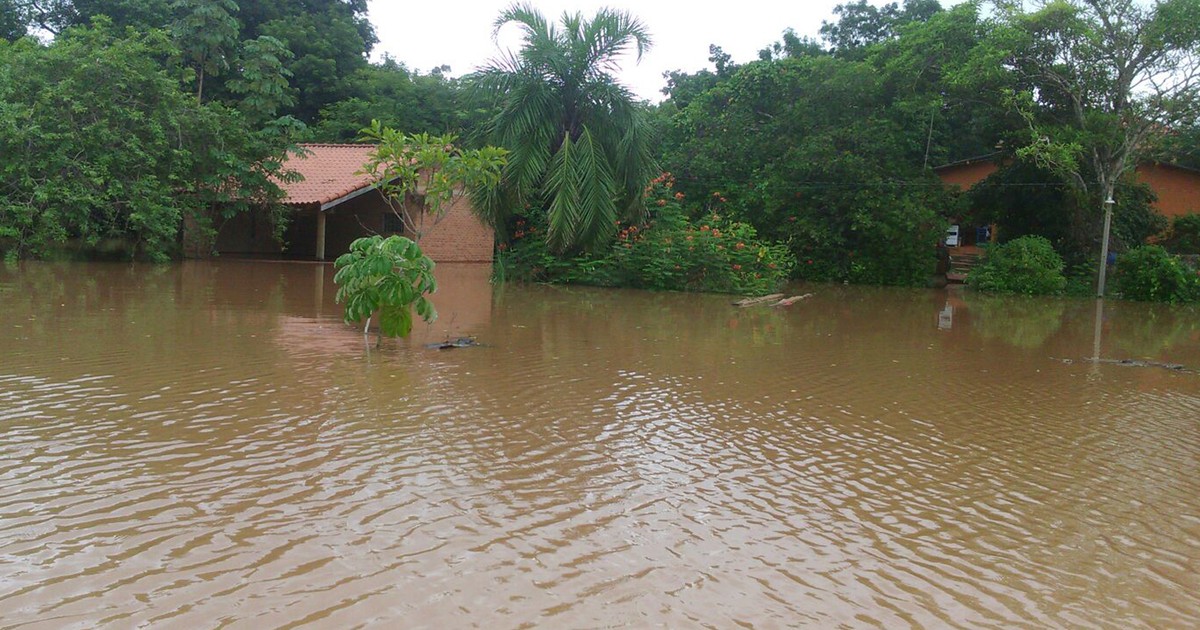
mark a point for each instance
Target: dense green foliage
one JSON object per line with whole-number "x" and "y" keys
{"x": 400, "y": 99}
{"x": 388, "y": 276}
{"x": 1149, "y": 273}
{"x": 669, "y": 251}
{"x": 580, "y": 147}
{"x": 1027, "y": 265}
{"x": 1184, "y": 235}
{"x": 102, "y": 144}
{"x": 327, "y": 40}
{"x": 827, "y": 154}
{"x": 861, "y": 25}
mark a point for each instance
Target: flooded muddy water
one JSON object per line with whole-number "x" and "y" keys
{"x": 207, "y": 445}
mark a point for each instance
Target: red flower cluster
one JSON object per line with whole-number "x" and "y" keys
{"x": 522, "y": 231}
{"x": 632, "y": 232}
{"x": 666, "y": 180}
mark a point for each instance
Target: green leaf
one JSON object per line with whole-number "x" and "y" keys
{"x": 395, "y": 321}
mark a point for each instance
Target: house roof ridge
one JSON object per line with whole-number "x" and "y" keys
{"x": 1172, "y": 164}
{"x": 337, "y": 144}
{"x": 970, "y": 160}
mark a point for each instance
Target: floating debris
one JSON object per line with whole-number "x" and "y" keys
{"x": 457, "y": 342}
{"x": 792, "y": 300}
{"x": 758, "y": 300}
{"x": 775, "y": 299}
{"x": 1175, "y": 367}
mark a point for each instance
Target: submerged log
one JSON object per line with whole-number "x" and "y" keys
{"x": 1175, "y": 367}
{"x": 792, "y": 300}
{"x": 758, "y": 300}
{"x": 448, "y": 344}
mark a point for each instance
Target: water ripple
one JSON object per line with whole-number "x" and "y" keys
{"x": 653, "y": 461}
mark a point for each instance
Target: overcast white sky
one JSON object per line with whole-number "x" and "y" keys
{"x": 458, "y": 33}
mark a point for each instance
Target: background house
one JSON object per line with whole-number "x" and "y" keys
{"x": 335, "y": 203}
{"x": 1177, "y": 187}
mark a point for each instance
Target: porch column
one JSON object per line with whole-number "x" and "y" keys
{"x": 320, "y": 235}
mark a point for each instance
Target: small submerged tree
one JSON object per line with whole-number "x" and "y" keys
{"x": 389, "y": 276}
{"x": 418, "y": 176}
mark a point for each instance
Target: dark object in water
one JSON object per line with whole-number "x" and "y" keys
{"x": 792, "y": 300}
{"x": 1175, "y": 367}
{"x": 754, "y": 301}
{"x": 458, "y": 342}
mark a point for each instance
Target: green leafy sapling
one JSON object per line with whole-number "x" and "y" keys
{"x": 389, "y": 276}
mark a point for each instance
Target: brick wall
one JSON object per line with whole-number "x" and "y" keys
{"x": 1178, "y": 189}
{"x": 967, "y": 175}
{"x": 459, "y": 237}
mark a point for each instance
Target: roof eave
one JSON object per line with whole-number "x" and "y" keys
{"x": 346, "y": 197}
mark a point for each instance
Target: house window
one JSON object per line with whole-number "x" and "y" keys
{"x": 392, "y": 223}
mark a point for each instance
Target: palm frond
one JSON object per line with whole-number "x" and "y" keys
{"x": 531, "y": 21}
{"x": 579, "y": 187}
{"x": 611, "y": 33}
{"x": 635, "y": 166}
{"x": 562, "y": 190}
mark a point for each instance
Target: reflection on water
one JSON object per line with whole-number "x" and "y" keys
{"x": 207, "y": 445}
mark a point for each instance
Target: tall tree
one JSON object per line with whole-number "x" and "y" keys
{"x": 20, "y": 17}
{"x": 401, "y": 99}
{"x": 99, "y": 141}
{"x": 814, "y": 151}
{"x": 580, "y": 146}
{"x": 206, "y": 33}
{"x": 13, "y": 21}
{"x": 263, "y": 81}
{"x": 861, "y": 25}
{"x": 329, "y": 40}
{"x": 1104, "y": 83}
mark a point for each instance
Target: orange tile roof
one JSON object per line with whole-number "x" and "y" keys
{"x": 330, "y": 171}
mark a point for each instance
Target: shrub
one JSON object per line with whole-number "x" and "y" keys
{"x": 709, "y": 255}
{"x": 864, "y": 238}
{"x": 1081, "y": 279}
{"x": 1149, "y": 273}
{"x": 1027, "y": 265}
{"x": 667, "y": 252}
{"x": 1184, "y": 236}
{"x": 386, "y": 276}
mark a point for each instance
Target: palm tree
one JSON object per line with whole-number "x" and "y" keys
{"x": 580, "y": 146}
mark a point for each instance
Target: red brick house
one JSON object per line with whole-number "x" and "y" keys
{"x": 1177, "y": 187}
{"x": 335, "y": 204}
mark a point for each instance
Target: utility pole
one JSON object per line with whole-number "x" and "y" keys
{"x": 1108, "y": 210}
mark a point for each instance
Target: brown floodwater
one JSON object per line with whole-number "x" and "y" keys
{"x": 207, "y": 445}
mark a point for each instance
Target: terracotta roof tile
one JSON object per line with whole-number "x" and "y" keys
{"x": 330, "y": 171}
